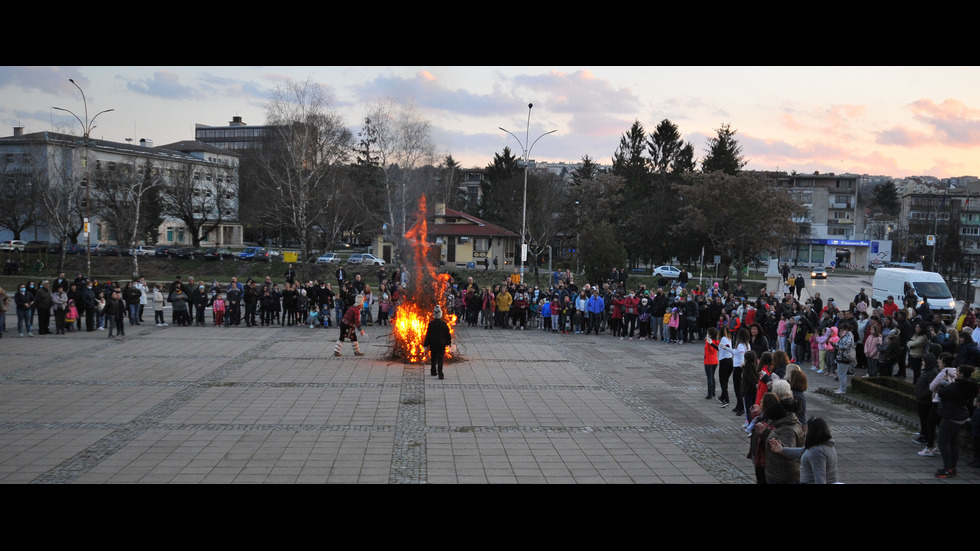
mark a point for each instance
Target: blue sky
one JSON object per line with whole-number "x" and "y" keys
{"x": 892, "y": 120}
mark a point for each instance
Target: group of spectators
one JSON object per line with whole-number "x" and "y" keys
{"x": 774, "y": 332}
{"x": 80, "y": 304}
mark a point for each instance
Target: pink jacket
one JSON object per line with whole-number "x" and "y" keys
{"x": 871, "y": 344}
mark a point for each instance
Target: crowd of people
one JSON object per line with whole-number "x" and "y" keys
{"x": 759, "y": 349}
{"x": 71, "y": 305}
{"x": 751, "y": 343}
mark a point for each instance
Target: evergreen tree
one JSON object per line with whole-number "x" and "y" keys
{"x": 668, "y": 152}
{"x": 724, "y": 153}
{"x": 885, "y": 198}
{"x": 587, "y": 171}
{"x": 630, "y": 165}
{"x": 502, "y": 188}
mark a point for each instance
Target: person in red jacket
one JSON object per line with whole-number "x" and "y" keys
{"x": 350, "y": 324}
{"x": 616, "y": 316}
{"x": 889, "y": 307}
{"x": 711, "y": 360}
{"x": 631, "y": 307}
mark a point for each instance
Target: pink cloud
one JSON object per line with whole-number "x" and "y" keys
{"x": 952, "y": 122}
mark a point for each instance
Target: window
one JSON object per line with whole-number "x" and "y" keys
{"x": 481, "y": 244}
{"x": 8, "y": 158}
{"x": 170, "y": 235}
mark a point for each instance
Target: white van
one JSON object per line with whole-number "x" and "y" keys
{"x": 926, "y": 285}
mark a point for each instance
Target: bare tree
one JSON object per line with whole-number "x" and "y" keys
{"x": 122, "y": 190}
{"x": 198, "y": 195}
{"x": 300, "y": 163}
{"x": 18, "y": 196}
{"x": 709, "y": 210}
{"x": 398, "y": 141}
{"x": 62, "y": 194}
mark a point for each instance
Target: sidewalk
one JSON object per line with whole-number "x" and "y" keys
{"x": 273, "y": 405}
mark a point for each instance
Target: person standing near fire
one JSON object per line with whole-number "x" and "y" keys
{"x": 350, "y": 324}
{"x": 437, "y": 338}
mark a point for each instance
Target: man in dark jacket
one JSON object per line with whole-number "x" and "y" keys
{"x": 24, "y": 300}
{"x": 955, "y": 400}
{"x": 86, "y": 304}
{"x": 251, "y": 299}
{"x": 437, "y": 338}
{"x": 234, "y": 306}
{"x": 43, "y": 303}
{"x": 906, "y": 330}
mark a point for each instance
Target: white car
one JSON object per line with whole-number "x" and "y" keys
{"x": 328, "y": 258}
{"x": 672, "y": 272}
{"x": 12, "y": 245}
{"x": 142, "y": 250}
{"x": 365, "y": 258}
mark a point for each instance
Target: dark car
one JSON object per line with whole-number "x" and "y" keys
{"x": 36, "y": 246}
{"x": 218, "y": 254}
{"x": 111, "y": 250}
{"x": 189, "y": 253}
{"x": 163, "y": 251}
{"x": 255, "y": 253}
{"x": 75, "y": 248}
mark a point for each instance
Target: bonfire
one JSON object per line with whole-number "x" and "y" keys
{"x": 426, "y": 288}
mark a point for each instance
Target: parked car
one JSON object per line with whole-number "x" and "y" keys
{"x": 162, "y": 251}
{"x": 328, "y": 258}
{"x": 99, "y": 249}
{"x": 818, "y": 273}
{"x": 12, "y": 245}
{"x": 672, "y": 272}
{"x": 365, "y": 258}
{"x": 189, "y": 253}
{"x": 275, "y": 254}
{"x": 218, "y": 254}
{"x": 142, "y": 250}
{"x": 37, "y": 246}
{"x": 255, "y": 253}
{"x": 75, "y": 248}
{"x": 113, "y": 250}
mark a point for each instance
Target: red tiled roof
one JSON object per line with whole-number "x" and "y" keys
{"x": 475, "y": 227}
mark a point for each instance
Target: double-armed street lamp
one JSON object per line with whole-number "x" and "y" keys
{"x": 527, "y": 152}
{"x": 87, "y": 127}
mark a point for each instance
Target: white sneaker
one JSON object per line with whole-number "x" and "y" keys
{"x": 928, "y": 452}
{"x": 166, "y": 325}
{"x": 101, "y": 328}
{"x": 839, "y": 391}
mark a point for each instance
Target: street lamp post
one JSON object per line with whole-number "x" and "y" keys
{"x": 87, "y": 128}
{"x": 527, "y": 152}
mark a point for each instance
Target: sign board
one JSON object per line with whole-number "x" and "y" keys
{"x": 931, "y": 240}
{"x": 523, "y": 252}
{"x": 717, "y": 259}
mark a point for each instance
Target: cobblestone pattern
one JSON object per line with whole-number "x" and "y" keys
{"x": 684, "y": 438}
{"x": 408, "y": 455}
{"x": 77, "y": 465}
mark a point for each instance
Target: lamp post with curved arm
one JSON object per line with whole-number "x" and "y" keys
{"x": 527, "y": 152}
{"x": 87, "y": 127}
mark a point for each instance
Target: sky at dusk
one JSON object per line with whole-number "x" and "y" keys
{"x": 890, "y": 120}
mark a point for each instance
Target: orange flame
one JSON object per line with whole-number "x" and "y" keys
{"x": 426, "y": 289}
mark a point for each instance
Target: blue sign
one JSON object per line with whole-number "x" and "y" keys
{"x": 840, "y": 243}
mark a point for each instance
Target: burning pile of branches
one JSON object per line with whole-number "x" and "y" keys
{"x": 426, "y": 288}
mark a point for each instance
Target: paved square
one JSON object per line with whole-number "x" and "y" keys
{"x": 273, "y": 405}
